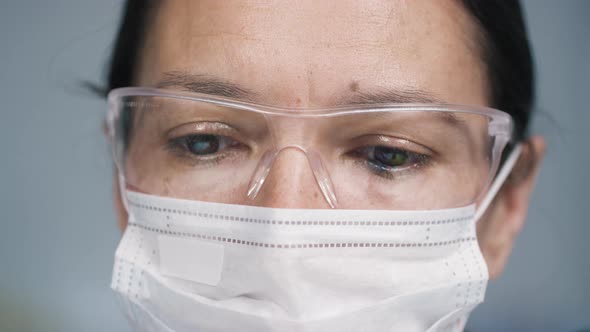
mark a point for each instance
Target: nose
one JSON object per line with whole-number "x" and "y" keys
{"x": 291, "y": 183}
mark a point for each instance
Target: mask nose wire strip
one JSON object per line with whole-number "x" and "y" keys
{"x": 498, "y": 181}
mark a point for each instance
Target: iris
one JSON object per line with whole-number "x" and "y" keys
{"x": 390, "y": 157}
{"x": 203, "y": 144}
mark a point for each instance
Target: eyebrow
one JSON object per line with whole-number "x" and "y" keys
{"x": 390, "y": 96}
{"x": 201, "y": 83}
{"x": 403, "y": 96}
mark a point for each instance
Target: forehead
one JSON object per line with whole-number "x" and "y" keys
{"x": 310, "y": 53}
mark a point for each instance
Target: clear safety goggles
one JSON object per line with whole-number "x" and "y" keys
{"x": 384, "y": 156}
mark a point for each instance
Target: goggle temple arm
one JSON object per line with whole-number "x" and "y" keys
{"x": 499, "y": 180}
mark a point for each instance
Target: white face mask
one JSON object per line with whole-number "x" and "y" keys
{"x": 197, "y": 266}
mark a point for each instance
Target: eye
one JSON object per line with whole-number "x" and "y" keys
{"x": 387, "y": 161}
{"x": 206, "y": 144}
{"x": 203, "y": 146}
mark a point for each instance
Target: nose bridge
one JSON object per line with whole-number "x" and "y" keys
{"x": 289, "y": 131}
{"x": 292, "y": 177}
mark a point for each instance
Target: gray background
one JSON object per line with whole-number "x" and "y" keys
{"x": 58, "y": 232}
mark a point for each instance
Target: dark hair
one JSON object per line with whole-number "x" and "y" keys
{"x": 503, "y": 42}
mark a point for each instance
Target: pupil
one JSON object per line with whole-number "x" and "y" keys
{"x": 203, "y": 144}
{"x": 390, "y": 157}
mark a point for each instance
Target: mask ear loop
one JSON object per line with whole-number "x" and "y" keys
{"x": 123, "y": 192}
{"x": 498, "y": 181}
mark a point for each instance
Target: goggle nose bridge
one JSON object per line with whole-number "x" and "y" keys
{"x": 314, "y": 160}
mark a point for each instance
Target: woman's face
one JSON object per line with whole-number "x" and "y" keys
{"x": 315, "y": 54}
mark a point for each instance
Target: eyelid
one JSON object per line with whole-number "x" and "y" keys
{"x": 200, "y": 128}
{"x": 401, "y": 143}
